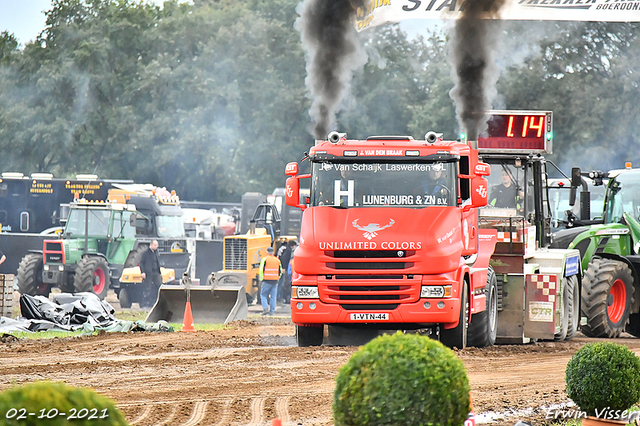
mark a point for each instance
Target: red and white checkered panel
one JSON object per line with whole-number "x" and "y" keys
{"x": 505, "y": 237}
{"x": 546, "y": 287}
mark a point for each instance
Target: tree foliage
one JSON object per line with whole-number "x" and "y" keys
{"x": 208, "y": 97}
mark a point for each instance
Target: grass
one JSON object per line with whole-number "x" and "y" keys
{"x": 131, "y": 315}
{"x": 63, "y": 334}
{"x": 44, "y": 334}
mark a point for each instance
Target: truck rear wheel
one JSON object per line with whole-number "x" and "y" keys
{"x": 484, "y": 325}
{"x": 92, "y": 275}
{"x": 607, "y": 297}
{"x": 30, "y": 276}
{"x": 573, "y": 302}
{"x": 457, "y": 337}
{"x": 309, "y": 336}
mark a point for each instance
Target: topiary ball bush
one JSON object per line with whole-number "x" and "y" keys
{"x": 46, "y": 399}
{"x": 603, "y": 375}
{"x": 402, "y": 380}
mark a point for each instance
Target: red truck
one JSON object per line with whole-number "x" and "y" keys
{"x": 407, "y": 234}
{"x": 390, "y": 240}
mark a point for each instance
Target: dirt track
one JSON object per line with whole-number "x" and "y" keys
{"x": 252, "y": 372}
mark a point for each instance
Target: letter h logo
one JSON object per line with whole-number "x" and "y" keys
{"x": 340, "y": 192}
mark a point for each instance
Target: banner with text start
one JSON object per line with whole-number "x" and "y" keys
{"x": 378, "y": 12}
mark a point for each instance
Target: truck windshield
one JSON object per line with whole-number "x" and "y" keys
{"x": 414, "y": 185}
{"x": 170, "y": 226}
{"x": 623, "y": 196}
{"x": 98, "y": 222}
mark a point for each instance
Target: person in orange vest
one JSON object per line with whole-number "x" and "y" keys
{"x": 269, "y": 274}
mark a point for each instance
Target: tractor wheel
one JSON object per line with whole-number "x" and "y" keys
{"x": 30, "y": 276}
{"x": 133, "y": 259}
{"x": 309, "y": 336}
{"x": 92, "y": 275}
{"x": 457, "y": 337}
{"x": 484, "y": 325}
{"x": 124, "y": 298}
{"x": 344, "y": 336}
{"x": 564, "y": 321}
{"x": 607, "y": 296}
{"x": 573, "y": 302}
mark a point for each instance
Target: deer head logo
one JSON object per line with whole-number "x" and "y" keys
{"x": 371, "y": 230}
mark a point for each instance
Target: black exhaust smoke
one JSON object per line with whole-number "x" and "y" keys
{"x": 472, "y": 56}
{"x": 333, "y": 52}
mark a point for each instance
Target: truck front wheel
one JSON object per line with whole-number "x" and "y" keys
{"x": 457, "y": 337}
{"x": 92, "y": 275}
{"x": 484, "y": 325}
{"x": 607, "y": 296}
{"x": 309, "y": 336}
{"x": 30, "y": 276}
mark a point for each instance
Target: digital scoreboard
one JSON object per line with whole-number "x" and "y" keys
{"x": 518, "y": 132}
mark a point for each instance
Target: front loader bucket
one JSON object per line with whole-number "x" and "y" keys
{"x": 218, "y": 304}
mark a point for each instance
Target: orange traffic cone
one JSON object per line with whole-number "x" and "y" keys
{"x": 276, "y": 422}
{"x": 187, "y": 322}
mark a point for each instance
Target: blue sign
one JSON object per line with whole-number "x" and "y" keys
{"x": 572, "y": 266}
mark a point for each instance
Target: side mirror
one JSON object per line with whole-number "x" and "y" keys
{"x": 479, "y": 193}
{"x": 292, "y": 191}
{"x": 576, "y": 177}
{"x": 576, "y": 181}
{"x": 132, "y": 220}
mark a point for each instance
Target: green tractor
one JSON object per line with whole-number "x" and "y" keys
{"x": 610, "y": 253}
{"x": 100, "y": 239}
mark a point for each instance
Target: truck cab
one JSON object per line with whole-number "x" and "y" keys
{"x": 389, "y": 238}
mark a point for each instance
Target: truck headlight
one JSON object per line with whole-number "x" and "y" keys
{"x": 435, "y": 291}
{"x": 304, "y": 292}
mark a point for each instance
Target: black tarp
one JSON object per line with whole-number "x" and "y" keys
{"x": 71, "y": 312}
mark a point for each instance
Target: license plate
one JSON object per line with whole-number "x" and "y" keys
{"x": 370, "y": 317}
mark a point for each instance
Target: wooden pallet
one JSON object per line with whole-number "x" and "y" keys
{"x": 6, "y": 295}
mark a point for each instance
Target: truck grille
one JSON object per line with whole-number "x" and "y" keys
{"x": 370, "y": 254}
{"x": 172, "y": 246}
{"x": 385, "y": 307}
{"x": 382, "y": 287}
{"x": 235, "y": 254}
{"x": 371, "y": 293}
{"x": 380, "y": 259}
{"x": 369, "y": 265}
